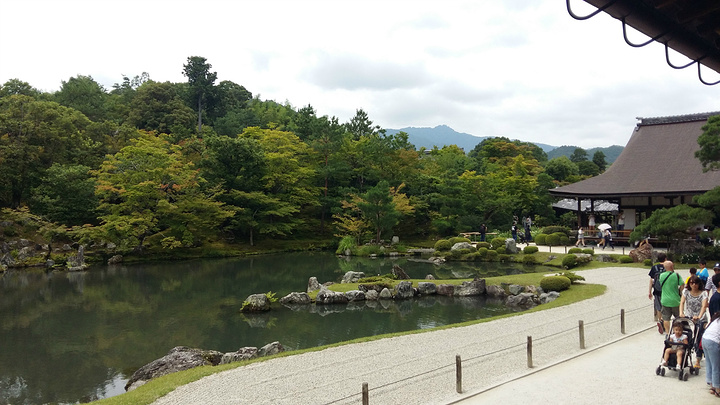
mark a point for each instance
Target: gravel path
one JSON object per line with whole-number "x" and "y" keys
{"x": 420, "y": 368}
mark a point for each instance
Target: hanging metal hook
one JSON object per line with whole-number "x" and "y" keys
{"x": 701, "y": 79}
{"x": 667, "y": 59}
{"x": 593, "y": 14}
{"x": 627, "y": 41}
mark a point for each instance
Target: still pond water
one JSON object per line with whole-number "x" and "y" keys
{"x": 76, "y": 337}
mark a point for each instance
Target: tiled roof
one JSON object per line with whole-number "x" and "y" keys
{"x": 659, "y": 159}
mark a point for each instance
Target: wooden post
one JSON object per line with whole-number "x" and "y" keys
{"x": 581, "y": 326}
{"x": 529, "y": 352}
{"x": 458, "y": 374}
{"x": 622, "y": 321}
{"x": 365, "y": 394}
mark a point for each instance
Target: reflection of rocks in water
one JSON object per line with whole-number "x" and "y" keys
{"x": 116, "y": 270}
{"x": 77, "y": 280}
{"x": 473, "y": 302}
{"x": 324, "y": 310}
{"x": 463, "y": 274}
{"x": 427, "y": 302}
{"x": 259, "y": 320}
{"x": 355, "y": 306}
{"x": 405, "y": 307}
{"x": 298, "y": 307}
{"x": 372, "y": 304}
{"x": 386, "y": 304}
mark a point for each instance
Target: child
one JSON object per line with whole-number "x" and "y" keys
{"x": 676, "y": 339}
{"x": 693, "y": 272}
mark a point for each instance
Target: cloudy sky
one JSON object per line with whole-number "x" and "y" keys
{"x": 523, "y": 69}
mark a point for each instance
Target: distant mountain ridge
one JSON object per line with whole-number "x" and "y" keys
{"x": 443, "y": 135}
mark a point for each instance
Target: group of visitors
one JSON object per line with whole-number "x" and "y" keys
{"x": 692, "y": 298}
{"x": 527, "y": 225}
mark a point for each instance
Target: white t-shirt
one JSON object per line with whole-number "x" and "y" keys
{"x": 712, "y": 332}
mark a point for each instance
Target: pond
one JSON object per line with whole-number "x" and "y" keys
{"x": 76, "y": 337}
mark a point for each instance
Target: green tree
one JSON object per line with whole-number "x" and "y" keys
{"x": 709, "y": 141}
{"x": 671, "y": 224}
{"x": 579, "y": 155}
{"x": 84, "y": 94}
{"x": 379, "y": 210}
{"x": 560, "y": 168}
{"x": 16, "y": 86}
{"x": 588, "y": 168}
{"x": 599, "y": 160}
{"x": 201, "y": 82}
{"x": 66, "y": 195}
{"x": 158, "y": 107}
{"x": 148, "y": 188}
{"x": 360, "y": 125}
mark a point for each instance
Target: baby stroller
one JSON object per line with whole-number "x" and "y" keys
{"x": 689, "y": 330}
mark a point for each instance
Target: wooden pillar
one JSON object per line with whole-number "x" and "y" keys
{"x": 579, "y": 212}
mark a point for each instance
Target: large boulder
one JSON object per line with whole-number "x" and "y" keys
{"x": 296, "y": 298}
{"x": 270, "y": 349}
{"x": 460, "y": 246}
{"x": 549, "y": 297}
{"x": 641, "y": 253}
{"x": 495, "y": 291}
{"x": 313, "y": 284}
{"x": 523, "y": 300}
{"x": 355, "y": 295}
{"x": 511, "y": 246}
{"x": 178, "y": 359}
{"x": 352, "y": 276}
{"x": 516, "y": 289}
{"x": 326, "y": 296}
{"x": 425, "y": 288}
{"x": 244, "y": 353}
{"x": 385, "y": 294}
{"x": 117, "y": 259}
{"x": 76, "y": 262}
{"x": 372, "y": 295}
{"x": 399, "y": 273}
{"x": 470, "y": 288}
{"x": 256, "y": 303}
{"x": 7, "y": 260}
{"x": 404, "y": 290}
{"x": 446, "y": 289}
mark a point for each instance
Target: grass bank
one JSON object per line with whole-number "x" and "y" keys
{"x": 161, "y": 386}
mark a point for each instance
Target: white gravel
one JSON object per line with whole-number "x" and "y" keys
{"x": 420, "y": 368}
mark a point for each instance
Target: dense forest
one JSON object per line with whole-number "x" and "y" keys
{"x": 181, "y": 164}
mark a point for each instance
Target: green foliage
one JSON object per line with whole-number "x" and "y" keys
{"x": 569, "y": 261}
{"x": 575, "y": 250}
{"x": 560, "y": 168}
{"x": 367, "y": 250}
{"x": 689, "y": 258}
{"x": 486, "y": 245}
{"x": 648, "y": 262}
{"x": 572, "y": 276}
{"x": 443, "y": 244}
{"x": 590, "y": 252}
{"x": 563, "y": 239}
{"x": 492, "y": 255}
{"x": 458, "y": 239}
{"x": 529, "y": 260}
{"x": 553, "y": 239}
{"x": 497, "y": 242}
{"x": 482, "y": 252}
{"x": 556, "y": 229}
{"x": 501, "y": 250}
{"x": 709, "y": 141}
{"x": 271, "y": 296}
{"x": 555, "y": 283}
{"x": 541, "y": 239}
{"x": 528, "y": 250}
{"x": 347, "y": 242}
{"x": 628, "y": 259}
{"x": 671, "y": 223}
{"x": 503, "y": 257}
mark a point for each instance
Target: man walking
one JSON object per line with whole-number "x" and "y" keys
{"x": 654, "y": 291}
{"x": 672, "y": 286}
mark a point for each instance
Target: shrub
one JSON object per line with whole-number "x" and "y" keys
{"x": 689, "y": 258}
{"x": 563, "y": 239}
{"x": 503, "y": 258}
{"x": 647, "y": 262}
{"x": 553, "y": 240}
{"x": 529, "y": 259}
{"x": 569, "y": 261}
{"x": 347, "y": 242}
{"x": 465, "y": 251}
{"x": 575, "y": 250}
{"x": 482, "y": 252}
{"x": 367, "y": 250}
{"x": 589, "y": 251}
{"x": 473, "y": 257}
{"x": 572, "y": 276}
{"x": 443, "y": 244}
{"x": 541, "y": 239}
{"x": 555, "y": 283}
{"x": 528, "y": 250}
{"x": 486, "y": 245}
{"x": 497, "y": 242}
{"x": 556, "y": 229}
{"x": 626, "y": 259}
{"x": 492, "y": 255}
{"x": 501, "y": 250}
{"x": 458, "y": 239}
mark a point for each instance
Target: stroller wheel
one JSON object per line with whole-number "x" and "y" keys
{"x": 685, "y": 377}
{"x": 657, "y": 370}
{"x": 662, "y": 371}
{"x": 680, "y": 375}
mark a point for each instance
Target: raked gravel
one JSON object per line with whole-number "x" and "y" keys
{"x": 420, "y": 368}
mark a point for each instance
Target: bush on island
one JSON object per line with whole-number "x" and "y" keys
{"x": 541, "y": 239}
{"x": 443, "y": 244}
{"x": 589, "y": 251}
{"x": 529, "y": 259}
{"x": 555, "y": 283}
{"x": 482, "y": 252}
{"x": 569, "y": 261}
{"x": 501, "y": 250}
{"x": 497, "y": 242}
{"x": 528, "y": 250}
{"x": 458, "y": 239}
{"x": 492, "y": 255}
{"x": 574, "y": 250}
{"x": 486, "y": 245}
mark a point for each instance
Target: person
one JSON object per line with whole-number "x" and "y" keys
{"x": 607, "y": 239}
{"x": 703, "y": 272}
{"x": 621, "y": 222}
{"x": 710, "y": 285}
{"x": 676, "y": 339}
{"x": 693, "y": 304}
{"x": 714, "y": 300}
{"x": 483, "y": 231}
{"x": 711, "y": 347}
{"x": 528, "y": 235}
{"x": 671, "y": 285}
{"x": 591, "y": 221}
{"x": 654, "y": 293}
{"x": 581, "y": 238}
{"x": 513, "y": 231}
{"x": 693, "y": 272}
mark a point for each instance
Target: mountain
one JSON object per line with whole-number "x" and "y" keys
{"x": 443, "y": 135}
{"x": 611, "y": 152}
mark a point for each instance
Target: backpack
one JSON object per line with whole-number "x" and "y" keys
{"x": 657, "y": 287}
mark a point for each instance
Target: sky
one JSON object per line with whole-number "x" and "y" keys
{"x": 523, "y": 69}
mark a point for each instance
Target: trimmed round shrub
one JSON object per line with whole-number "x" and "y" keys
{"x": 574, "y": 250}
{"x": 556, "y": 229}
{"x": 443, "y": 244}
{"x": 458, "y": 239}
{"x": 563, "y": 239}
{"x": 501, "y": 250}
{"x": 528, "y": 250}
{"x": 569, "y": 261}
{"x": 588, "y": 251}
{"x": 553, "y": 240}
{"x": 503, "y": 258}
{"x": 555, "y": 283}
{"x": 647, "y": 262}
{"x": 541, "y": 239}
{"x": 625, "y": 259}
{"x": 482, "y": 252}
{"x": 529, "y": 259}
{"x": 492, "y": 255}
{"x": 486, "y": 245}
{"x": 497, "y": 242}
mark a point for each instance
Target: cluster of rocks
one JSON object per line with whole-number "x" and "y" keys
{"x": 25, "y": 253}
{"x": 184, "y": 358}
{"x": 513, "y": 295}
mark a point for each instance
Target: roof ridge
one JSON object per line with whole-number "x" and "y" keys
{"x": 671, "y": 119}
